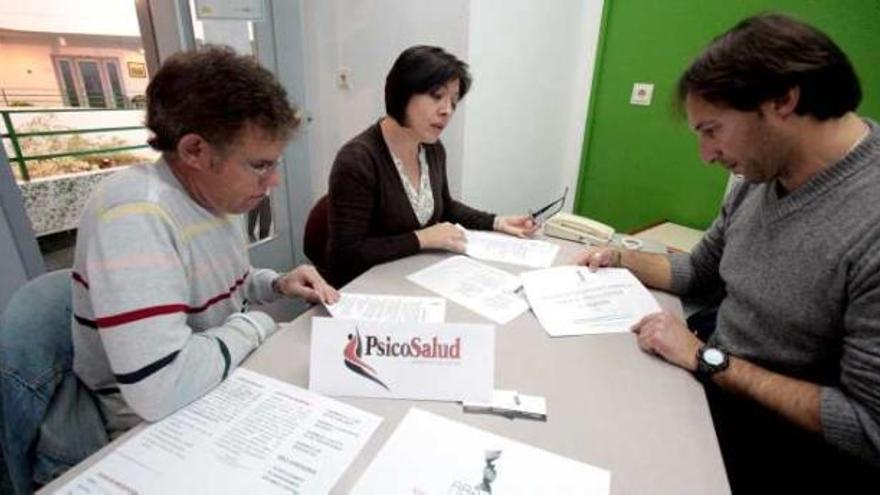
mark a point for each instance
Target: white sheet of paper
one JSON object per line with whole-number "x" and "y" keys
{"x": 386, "y": 307}
{"x": 494, "y": 246}
{"x": 571, "y": 300}
{"x": 431, "y": 455}
{"x": 251, "y": 434}
{"x": 432, "y": 361}
{"x": 484, "y": 289}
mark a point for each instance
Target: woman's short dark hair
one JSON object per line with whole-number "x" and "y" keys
{"x": 765, "y": 56}
{"x": 213, "y": 92}
{"x": 418, "y": 70}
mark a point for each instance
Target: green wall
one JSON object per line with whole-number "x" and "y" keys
{"x": 640, "y": 164}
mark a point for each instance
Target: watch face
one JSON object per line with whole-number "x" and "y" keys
{"x": 713, "y": 356}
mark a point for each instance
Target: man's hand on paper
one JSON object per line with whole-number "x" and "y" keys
{"x": 520, "y": 226}
{"x": 595, "y": 258}
{"x": 305, "y": 282}
{"x": 444, "y": 236}
{"x": 668, "y": 337}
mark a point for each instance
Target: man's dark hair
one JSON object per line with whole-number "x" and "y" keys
{"x": 213, "y": 92}
{"x": 418, "y": 70}
{"x": 765, "y": 56}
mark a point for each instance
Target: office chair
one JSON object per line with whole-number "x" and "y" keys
{"x": 317, "y": 231}
{"x": 49, "y": 421}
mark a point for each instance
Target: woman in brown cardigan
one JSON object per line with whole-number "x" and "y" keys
{"x": 389, "y": 197}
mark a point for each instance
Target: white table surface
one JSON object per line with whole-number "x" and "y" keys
{"x": 608, "y": 403}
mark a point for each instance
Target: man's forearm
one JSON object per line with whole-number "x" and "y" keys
{"x": 652, "y": 269}
{"x": 796, "y": 400}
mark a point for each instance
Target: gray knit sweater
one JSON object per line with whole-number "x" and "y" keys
{"x": 802, "y": 280}
{"x": 159, "y": 286}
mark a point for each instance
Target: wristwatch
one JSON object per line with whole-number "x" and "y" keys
{"x": 276, "y": 285}
{"x": 710, "y": 360}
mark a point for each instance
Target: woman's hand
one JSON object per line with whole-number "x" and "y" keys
{"x": 305, "y": 282}
{"x": 520, "y": 226}
{"x": 442, "y": 236}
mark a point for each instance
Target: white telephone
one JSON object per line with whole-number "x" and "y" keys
{"x": 578, "y": 229}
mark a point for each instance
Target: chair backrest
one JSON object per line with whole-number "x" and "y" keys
{"x": 316, "y": 232}
{"x": 36, "y": 361}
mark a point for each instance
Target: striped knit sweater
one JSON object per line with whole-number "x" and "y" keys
{"x": 159, "y": 286}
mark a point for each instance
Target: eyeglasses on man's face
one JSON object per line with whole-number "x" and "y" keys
{"x": 262, "y": 168}
{"x": 259, "y": 167}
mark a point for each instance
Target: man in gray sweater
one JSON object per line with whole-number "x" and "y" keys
{"x": 792, "y": 371}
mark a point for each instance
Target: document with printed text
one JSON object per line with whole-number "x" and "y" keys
{"x": 484, "y": 289}
{"x": 430, "y": 454}
{"x": 572, "y": 300}
{"x": 389, "y": 308}
{"x": 251, "y": 434}
{"x": 494, "y": 246}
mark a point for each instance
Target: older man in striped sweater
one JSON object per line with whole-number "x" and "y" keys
{"x": 161, "y": 275}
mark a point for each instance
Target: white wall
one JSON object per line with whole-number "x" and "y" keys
{"x": 516, "y": 140}
{"x": 111, "y": 17}
{"x": 365, "y": 36}
{"x": 533, "y": 64}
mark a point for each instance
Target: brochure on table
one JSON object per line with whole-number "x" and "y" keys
{"x": 429, "y": 454}
{"x": 484, "y": 289}
{"x": 494, "y": 246}
{"x": 572, "y": 300}
{"x": 387, "y": 307}
{"x": 432, "y": 361}
{"x": 251, "y": 434}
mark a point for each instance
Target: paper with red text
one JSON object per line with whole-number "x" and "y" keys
{"x": 430, "y": 361}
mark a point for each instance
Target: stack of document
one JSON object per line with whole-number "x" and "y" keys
{"x": 251, "y": 434}
{"x": 493, "y": 246}
{"x": 484, "y": 289}
{"x": 429, "y": 454}
{"x": 512, "y": 404}
{"x": 390, "y": 308}
{"x": 572, "y": 300}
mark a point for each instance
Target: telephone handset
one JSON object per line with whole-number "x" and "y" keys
{"x": 578, "y": 229}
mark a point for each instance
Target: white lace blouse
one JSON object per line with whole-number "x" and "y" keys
{"x": 422, "y": 201}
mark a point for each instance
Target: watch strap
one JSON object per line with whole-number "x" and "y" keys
{"x": 705, "y": 370}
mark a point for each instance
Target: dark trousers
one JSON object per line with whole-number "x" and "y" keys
{"x": 764, "y": 453}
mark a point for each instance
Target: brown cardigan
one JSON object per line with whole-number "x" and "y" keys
{"x": 371, "y": 219}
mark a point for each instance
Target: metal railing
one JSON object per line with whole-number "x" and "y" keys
{"x": 35, "y": 97}
{"x": 30, "y": 97}
{"x": 22, "y": 159}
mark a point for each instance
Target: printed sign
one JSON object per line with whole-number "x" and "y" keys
{"x": 454, "y": 362}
